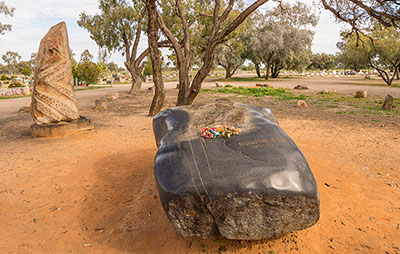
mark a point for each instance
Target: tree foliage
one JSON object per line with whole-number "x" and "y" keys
{"x": 281, "y": 38}
{"x": 7, "y": 11}
{"x": 86, "y": 70}
{"x": 322, "y": 61}
{"x": 11, "y": 59}
{"x": 351, "y": 55}
{"x": 360, "y": 15}
{"x": 379, "y": 48}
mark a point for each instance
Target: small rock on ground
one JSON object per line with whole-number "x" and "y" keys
{"x": 101, "y": 104}
{"x": 112, "y": 96}
{"x": 301, "y": 103}
{"x": 25, "y": 109}
{"x": 301, "y": 87}
{"x": 328, "y": 91}
{"x": 361, "y": 94}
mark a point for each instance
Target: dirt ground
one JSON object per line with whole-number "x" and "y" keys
{"x": 95, "y": 192}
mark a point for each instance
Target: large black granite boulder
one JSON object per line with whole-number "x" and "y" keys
{"x": 256, "y": 185}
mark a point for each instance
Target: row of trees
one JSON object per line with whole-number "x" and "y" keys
{"x": 85, "y": 70}
{"x": 202, "y": 33}
{"x": 14, "y": 65}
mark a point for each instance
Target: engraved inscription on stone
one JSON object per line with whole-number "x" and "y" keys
{"x": 53, "y": 97}
{"x": 255, "y": 144}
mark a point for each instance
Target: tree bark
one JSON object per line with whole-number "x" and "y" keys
{"x": 398, "y": 73}
{"x": 268, "y": 66}
{"x": 136, "y": 83}
{"x": 275, "y": 70}
{"x": 152, "y": 33}
{"x": 257, "y": 66}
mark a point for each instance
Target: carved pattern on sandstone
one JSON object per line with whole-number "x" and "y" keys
{"x": 53, "y": 98}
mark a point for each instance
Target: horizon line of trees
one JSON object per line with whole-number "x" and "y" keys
{"x": 206, "y": 33}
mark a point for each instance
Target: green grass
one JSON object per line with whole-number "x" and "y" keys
{"x": 279, "y": 93}
{"x": 332, "y": 106}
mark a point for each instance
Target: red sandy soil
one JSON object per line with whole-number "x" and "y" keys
{"x": 95, "y": 192}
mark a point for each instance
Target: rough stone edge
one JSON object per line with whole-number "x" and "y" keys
{"x": 62, "y": 128}
{"x": 193, "y": 217}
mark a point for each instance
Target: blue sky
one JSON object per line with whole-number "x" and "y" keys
{"x": 33, "y": 18}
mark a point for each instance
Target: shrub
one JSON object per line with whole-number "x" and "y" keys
{"x": 15, "y": 85}
{"x": 3, "y": 78}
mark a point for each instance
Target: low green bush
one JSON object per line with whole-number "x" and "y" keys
{"x": 15, "y": 85}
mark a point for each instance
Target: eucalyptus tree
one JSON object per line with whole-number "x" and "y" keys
{"x": 119, "y": 27}
{"x": 215, "y": 20}
{"x": 378, "y": 48}
{"x": 281, "y": 38}
{"x": 385, "y": 47}
{"x": 152, "y": 34}
{"x": 7, "y": 11}
{"x": 229, "y": 56}
{"x": 322, "y": 61}
{"x": 11, "y": 59}
{"x": 352, "y": 55}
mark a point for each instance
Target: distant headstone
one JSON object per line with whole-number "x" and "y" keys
{"x": 388, "y": 103}
{"x": 53, "y": 96}
{"x": 255, "y": 185}
{"x": 367, "y": 76}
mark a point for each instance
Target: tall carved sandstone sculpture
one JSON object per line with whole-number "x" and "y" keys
{"x": 54, "y": 107}
{"x": 53, "y": 98}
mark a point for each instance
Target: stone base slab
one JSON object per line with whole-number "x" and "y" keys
{"x": 62, "y": 128}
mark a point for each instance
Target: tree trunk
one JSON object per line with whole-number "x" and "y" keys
{"x": 257, "y": 66}
{"x": 398, "y": 73}
{"x": 275, "y": 71}
{"x": 228, "y": 73}
{"x": 184, "y": 83}
{"x": 268, "y": 66}
{"x": 152, "y": 33}
{"x": 136, "y": 84}
{"x": 201, "y": 74}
